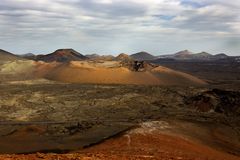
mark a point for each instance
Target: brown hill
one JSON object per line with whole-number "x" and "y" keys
{"x": 98, "y": 72}
{"x": 142, "y": 56}
{"x": 62, "y": 55}
{"x": 100, "y": 57}
{"x": 7, "y": 56}
{"x": 112, "y": 72}
{"x": 123, "y": 57}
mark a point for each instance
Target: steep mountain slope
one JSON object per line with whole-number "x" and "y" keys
{"x": 62, "y": 55}
{"x": 142, "y": 56}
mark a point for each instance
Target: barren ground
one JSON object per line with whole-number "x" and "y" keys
{"x": 117, "y": 122}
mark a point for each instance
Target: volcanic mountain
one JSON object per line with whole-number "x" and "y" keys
{"x": 123, "y": 57}
{"x": 221, "y": 56}
{"x": 62, "y": 55}
{"x": 183, "y": 54}
{"x": 202, "y": 55}
{"x": 67, "y": 65}
{"x": 142, "y": 56}
{"x": 113, "y": 72}
{"x": 7, "y": 56}
{"x": 187, "y": 55}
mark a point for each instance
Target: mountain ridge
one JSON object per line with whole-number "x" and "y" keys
{"x": 188, "y": 55}
{"x": 69, "y": 54}
{"x": 141, "y": 56}
{"x": 62, "y": 55}
{"x": 8, "y": 56}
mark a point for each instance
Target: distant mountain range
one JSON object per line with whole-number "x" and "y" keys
{"x": 28, "y": 56}
{"x": 187, "y": 55}
{"x": 66, "y": 55}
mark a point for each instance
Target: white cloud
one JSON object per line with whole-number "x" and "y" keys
{"x": 89, "y": 25}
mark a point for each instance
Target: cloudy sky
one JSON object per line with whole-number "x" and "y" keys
{"x": 114, "y": 26}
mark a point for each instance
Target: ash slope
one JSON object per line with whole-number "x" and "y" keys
{"x": 114, "y": 72}
{"x": 123, "y": 71}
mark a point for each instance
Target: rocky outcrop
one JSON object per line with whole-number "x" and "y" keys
{"x": 138, "y": 66}
{"x": 220, "y": 101}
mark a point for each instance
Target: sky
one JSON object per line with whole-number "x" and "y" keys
{"x": 120, "y": 26}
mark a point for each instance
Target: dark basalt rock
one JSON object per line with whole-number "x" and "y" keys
{"x": 220, "y": 101}
{"x": 138, "y": 66}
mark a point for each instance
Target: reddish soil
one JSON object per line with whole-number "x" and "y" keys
{"x": 138, "y": 146}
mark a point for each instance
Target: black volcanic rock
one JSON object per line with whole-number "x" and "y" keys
{"x": 220, "y": 101}
{"x": 62, "y": 55}
{"x": 142, "y": 56}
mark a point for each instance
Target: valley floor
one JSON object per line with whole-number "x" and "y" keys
{"x": 49, "y": 120}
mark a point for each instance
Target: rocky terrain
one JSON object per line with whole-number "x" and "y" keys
{"x": 224, "y": 73}
{"x": 219, "y": 70}
{"x": 61, "y": 118}
{"x": 113, "y": 109}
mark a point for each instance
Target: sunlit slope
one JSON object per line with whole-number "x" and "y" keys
{"x": 84, "y": 72}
